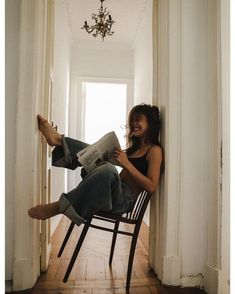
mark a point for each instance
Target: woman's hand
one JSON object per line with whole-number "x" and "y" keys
{"x": 121, "y": 157}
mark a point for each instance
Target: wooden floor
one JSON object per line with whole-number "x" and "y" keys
{"x": 91, "y": 272}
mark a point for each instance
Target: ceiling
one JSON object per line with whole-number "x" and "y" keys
{"x": 127, "y": 14}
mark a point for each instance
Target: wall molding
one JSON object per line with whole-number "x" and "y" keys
{"x": 224, "y": 94}
{"x": 171, "y": 271}
{"x": 172, "y": 275}
{"x": 22, "y": 272}
{"x": 173, "y": 131}
{"x": 193, "y": 281}
{"x": 165, "y": 211}
{"x": 212, "y": 276}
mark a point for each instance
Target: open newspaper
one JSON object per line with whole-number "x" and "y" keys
{"x": 102, "y": 150}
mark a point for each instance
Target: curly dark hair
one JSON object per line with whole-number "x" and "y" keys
{"x": 153, "y": 117}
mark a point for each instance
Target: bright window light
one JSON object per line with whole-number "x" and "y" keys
{"x": 105, "y": 111}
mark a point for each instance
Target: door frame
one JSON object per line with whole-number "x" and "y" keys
{"x": 32, "y": 73}
{"x": 162, "y": 236}
{"x": 224, "y": 104}
{"x": 76, "y": 113}
{"x": 46, "y": 152}
{"x": 81, "y": 96}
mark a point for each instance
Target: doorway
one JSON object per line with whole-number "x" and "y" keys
{"x": 105, "y": 110}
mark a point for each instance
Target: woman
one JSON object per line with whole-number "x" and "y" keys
{"x": 104, "y": 189}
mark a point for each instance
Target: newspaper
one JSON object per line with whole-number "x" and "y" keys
{"x": 102, "y": 150}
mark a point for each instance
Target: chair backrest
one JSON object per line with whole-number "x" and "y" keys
{"x": 139, "y": 208}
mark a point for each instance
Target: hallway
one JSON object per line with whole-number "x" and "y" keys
{"x": 91, "y": 273}
{"x": 171, "y": 53}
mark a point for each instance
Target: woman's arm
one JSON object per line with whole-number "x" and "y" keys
{"x": 149, "y": 182}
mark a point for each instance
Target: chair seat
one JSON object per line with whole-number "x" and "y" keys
{"x": 114, "y": 217}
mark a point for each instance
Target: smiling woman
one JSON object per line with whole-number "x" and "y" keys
{"x": 104, "y": 189}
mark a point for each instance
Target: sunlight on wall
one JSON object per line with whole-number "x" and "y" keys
{"x": 105, "y": 111}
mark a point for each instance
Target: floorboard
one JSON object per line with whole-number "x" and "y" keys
{"x": 92, "y": 274}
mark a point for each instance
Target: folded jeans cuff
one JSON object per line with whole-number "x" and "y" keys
{"x": 67, "y": 209}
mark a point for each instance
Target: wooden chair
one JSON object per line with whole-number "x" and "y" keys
{"x": 134, "y": 217}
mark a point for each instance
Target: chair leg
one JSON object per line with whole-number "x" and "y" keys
{"x": 113, "y": 242}
{"x": 77, "y": 249}
{"x": 131, "y": 256}
{"x": 66, "y": 239}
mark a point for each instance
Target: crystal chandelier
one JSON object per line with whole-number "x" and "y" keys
{"x": 103, "y": 23}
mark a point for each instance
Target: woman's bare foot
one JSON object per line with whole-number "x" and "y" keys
{"x": 53, "y": 138}
{"x": 44, "y": 211}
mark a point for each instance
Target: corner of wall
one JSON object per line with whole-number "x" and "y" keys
{"x": 193, "y": 281}
{"x": 171, "y": 271}
{"x": 8, "y": 286}
{"x": 172, "y": 268}
{"x": 22, "y": 274}
{"x": 211, "y": 282}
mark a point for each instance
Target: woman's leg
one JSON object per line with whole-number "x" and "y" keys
{"x": 92, "y": 194}
{"x": 100, "y": 190}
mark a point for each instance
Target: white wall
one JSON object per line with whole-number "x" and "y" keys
{"x": 12, "y": 16}
{"x": 101, "y": 62}
{"x": 60, "y": 93}
{"x": 92, "y": 61}
{"x": 186, "y": 85}
{"x": 143, "y": 59}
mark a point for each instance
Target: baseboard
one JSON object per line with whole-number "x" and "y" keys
{"x": 171, "y": 271}
{"x": 8, "y": 286}
{"x": 193, "y": 281}
{"x": 172, "y": 274}
{"x": 211, "y": 283}
{"x": 23, "y": 277}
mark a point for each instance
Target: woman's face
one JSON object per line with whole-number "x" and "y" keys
{"x": 139, "y": 126}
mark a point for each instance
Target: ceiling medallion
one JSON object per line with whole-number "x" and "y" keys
{"x": 103, "y": 23}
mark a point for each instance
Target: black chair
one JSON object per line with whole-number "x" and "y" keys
{"x": 134, "y": 217}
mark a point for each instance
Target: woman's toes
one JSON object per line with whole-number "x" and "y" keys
{"x": 41, "y": 120}
{"x": 35, "y": 212}
{"x": 31, "y": 212}
{"x": 50, "y": 132}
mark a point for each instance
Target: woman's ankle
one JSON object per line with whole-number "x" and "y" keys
{"x": 59, "y": 140}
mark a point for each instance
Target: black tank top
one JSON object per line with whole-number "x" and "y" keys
{"x": 140, "y": 163}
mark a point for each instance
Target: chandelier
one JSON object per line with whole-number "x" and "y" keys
{"x": 103, "y": 23}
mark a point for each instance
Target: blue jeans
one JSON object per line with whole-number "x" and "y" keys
{"x": 100, "y": 190}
